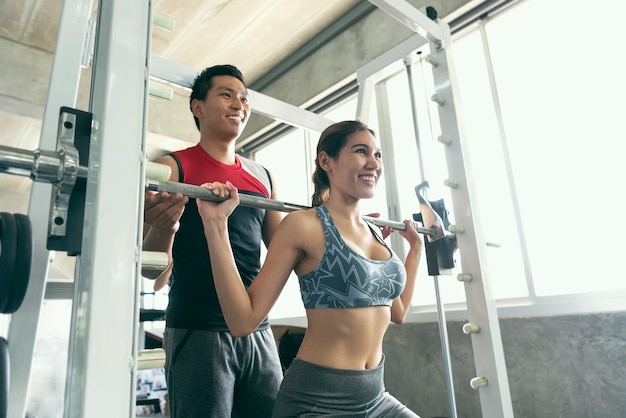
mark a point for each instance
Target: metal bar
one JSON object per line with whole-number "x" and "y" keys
{"x": 264, "y": 105}
{"x": 523, "y": 245}
{"x": 445, "y": 349}
{"x": 62, "y": 91}
{"x": 406, "y": 14}
{"x": 385, "y": 131}
{"x": 109, "y": 264}
{"x": 495, "y": 398}
{"x": 23, "y": 162}
{"x": 44, "y": 166}
{"x": 198, "y": 192}
{"x": 441, "y": 311}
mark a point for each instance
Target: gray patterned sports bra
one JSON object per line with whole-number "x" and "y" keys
{"x": 345, "y": 279}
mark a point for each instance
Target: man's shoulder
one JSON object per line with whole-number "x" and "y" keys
{"x": 189, "y": 150}
{"x": 257, "y": 170}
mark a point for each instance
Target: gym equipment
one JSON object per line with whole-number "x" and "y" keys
{"x": 16, "y": 250}
{"x": 152, "y": 358}
{"x": 154, "y": 260}
{"x": 198, "y": 192}
{"x": 66, "y": 170}
{"x": 8, "y": 234}
{"x": 23, "y": 261}
{"x": 440, "y": 260}
{"x": 439, "y": 252}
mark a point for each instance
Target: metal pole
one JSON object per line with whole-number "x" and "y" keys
{"x": 445, "y": 349}
{"x": 441, "y": 313}
{"x": 65, "y": 75}
{"x": 198, "y": 192}
{"x": 47, "y": 167}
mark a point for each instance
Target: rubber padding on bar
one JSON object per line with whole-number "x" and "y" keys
{"x": 159, "y": 172}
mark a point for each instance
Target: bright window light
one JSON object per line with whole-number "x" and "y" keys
{"x": 559, "y": 89}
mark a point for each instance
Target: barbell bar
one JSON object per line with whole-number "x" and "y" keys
{"x": 202, "y": 193}
{"x": 50, "y": 167}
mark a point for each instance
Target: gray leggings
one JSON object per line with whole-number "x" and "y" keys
{"x": 309, "y": 390}
{"x": 213, "y": 374}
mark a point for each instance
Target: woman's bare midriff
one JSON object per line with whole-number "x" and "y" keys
{"x": 349, "y": 339}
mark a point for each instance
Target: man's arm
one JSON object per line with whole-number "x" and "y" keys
{"x": 162, "y": 212}
{"x": 272, "y": 217}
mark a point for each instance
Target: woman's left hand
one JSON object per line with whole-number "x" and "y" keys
{"x": 411, "y": 234}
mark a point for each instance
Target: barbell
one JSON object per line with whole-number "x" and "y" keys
{"x": 49, "y": 167}
{"x": 198, "y": 192}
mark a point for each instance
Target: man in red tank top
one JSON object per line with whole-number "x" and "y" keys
{"x": 209, "y": 372}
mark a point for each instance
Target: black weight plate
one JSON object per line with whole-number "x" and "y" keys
{"x": 23, "y": 262}
{"x": 8, "y": 254}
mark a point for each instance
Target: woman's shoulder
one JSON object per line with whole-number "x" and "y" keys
{"x": 302, "y": 217}
{"x": 300, "y": 223}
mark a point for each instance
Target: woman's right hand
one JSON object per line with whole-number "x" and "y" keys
{"x": 218, "y": 211}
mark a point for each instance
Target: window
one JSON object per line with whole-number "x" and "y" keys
{"x": 544, "y": 157}
{"x": 558, "y": 86}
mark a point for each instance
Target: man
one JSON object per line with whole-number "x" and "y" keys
{"x": 209, "y": 372}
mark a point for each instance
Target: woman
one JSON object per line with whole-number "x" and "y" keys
{"x": 352, "y": 284}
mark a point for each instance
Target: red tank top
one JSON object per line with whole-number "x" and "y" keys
{"x": 193, "y": 302}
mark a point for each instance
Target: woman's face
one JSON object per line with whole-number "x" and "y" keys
{"x": 358, "y": 167}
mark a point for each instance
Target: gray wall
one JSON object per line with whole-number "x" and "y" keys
{"x": 562, "y": 366}
{"x": 570, "y": 366}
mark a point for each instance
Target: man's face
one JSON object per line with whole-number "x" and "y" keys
{"x": 225, "y": 109}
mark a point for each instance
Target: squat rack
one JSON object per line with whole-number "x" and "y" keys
{"x": 122, "y": 67}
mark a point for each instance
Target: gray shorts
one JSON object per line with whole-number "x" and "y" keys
{"x": 309, "y": 390}
{"x": 213, "y": 374}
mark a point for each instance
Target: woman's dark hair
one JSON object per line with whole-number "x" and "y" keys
{"x": 331, "y": 141}
{"x": 204, "y": 81}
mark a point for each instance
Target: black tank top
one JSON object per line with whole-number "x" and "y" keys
{"x": 193, "y": 302}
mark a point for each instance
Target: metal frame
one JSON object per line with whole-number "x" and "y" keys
{"x": 108, "y": 267}
{"x": 507, "y": 162}
{"x": 491, "y": 379}
{"x": 109, "y": 264}
{"x": 74, "y": 28}
{"x": 262, "y": 104}
{"x": 103, "y": 340}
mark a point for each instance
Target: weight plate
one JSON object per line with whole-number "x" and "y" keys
{"x": 23, "y": 263}
{"x": 8, "y": 254}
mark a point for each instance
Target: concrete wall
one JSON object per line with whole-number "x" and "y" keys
{"x": 560, "y": 366}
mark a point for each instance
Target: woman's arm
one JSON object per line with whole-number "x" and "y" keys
{"x": 245, "y": 309}
{"x": 402, "y": 303}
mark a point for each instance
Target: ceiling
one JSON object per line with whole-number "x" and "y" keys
{"x": 253, "y": 35}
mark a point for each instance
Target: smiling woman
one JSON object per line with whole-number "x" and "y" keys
{"x": 352, "y": 285}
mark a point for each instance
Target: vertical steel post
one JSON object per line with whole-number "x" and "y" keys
{"x": 492, "y": 379}
{"x": 69, "y": 53}
{"x": 103, "y": 342}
